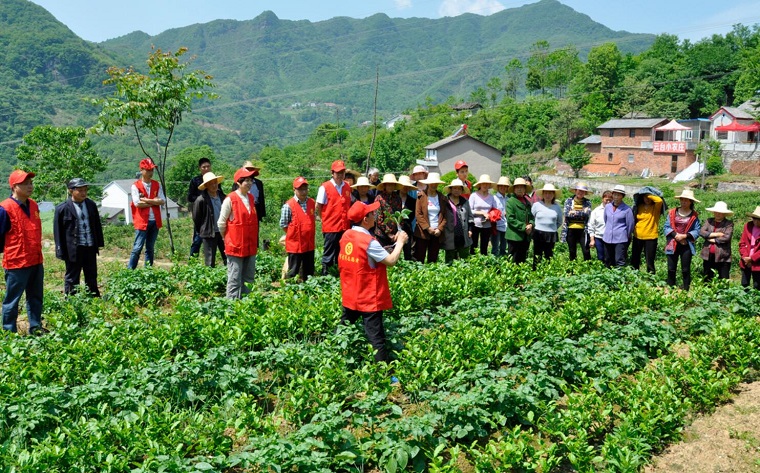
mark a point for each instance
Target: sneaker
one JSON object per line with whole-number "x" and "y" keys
{"x": 38, "y": 331}
{"x": 394, "y": 380}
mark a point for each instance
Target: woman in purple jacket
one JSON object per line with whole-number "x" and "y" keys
{"x": 618, "y": 227}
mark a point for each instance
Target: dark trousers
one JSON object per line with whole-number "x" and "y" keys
{"x": 542, "y": 250}
{"x": 649, "y": 247}
{"x": 710, "y": 267}
{"x": 300, "y": 264}
{"x": 683, "y": 253}
{"x": 429, "y": 248}
{"x": 575, "y": 237}
{"x": 747, "y": 275}
{"x": 87, "y": 263}
{"x": 480, "y": 237}
{"x": 457, "y": 253}
{"x": 27, "y": 280}
{"x": 518, "y": 250}
{"x": 210, "y": 245}
{"x": 331, "y": 250}
{"x": 599, "y": 245}
{"x": 195, "y": 246}
{"x": 373, "y": 327}
{"x": 615, "y": 254}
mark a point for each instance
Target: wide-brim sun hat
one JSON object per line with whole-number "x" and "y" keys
{"x": 456, "y": 182}
{"x": 432, "y": 179}
{"x": 250, "y": 166}
{"x": 362, "y": 182}
{"x": 688, "y": 194}
{"x": 620, "y": 189}
{"x": 581, "y": 186}
{"x": 548, "y": 188}
{"x": 419, "y": 169}
{"x": 756, "y": 213}
{"x": 389, "y": 180}
{"x": 484, "y": 179}
{"x": 520, "y": 182}
{"x": 503, "y": 181}
{"x": 351, "y": 172}
{"x": 208, "y": 177}
{"x": 406, "y": 182}
{"x": 720, "y": 207}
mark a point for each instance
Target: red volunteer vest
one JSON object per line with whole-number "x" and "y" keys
{"x": 242, "y": 238}
{"x": 335, "y": 211}
{"x": 302, "y": 229}
{"x": 23, "y": 243}
{"x": 140, "y": 216}
{"x": 363, "y": 288}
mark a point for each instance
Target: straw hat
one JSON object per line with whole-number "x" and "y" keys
{"x": 351, "y": 172}
{"x": 721, "y": 208}
{"x": 520, "y": 182}
{"x": 548, "y": 188}
{"x": 484, "y": 179}
{"x": 504, "y": 181}
{"x": 388, "y": 179}
{"x": 419, "y": 169}
{"x": 620, "y": 189}
{"x": 405, "y": 182}
{"x": 250, "y": 166}
{"x": 432, "y": 179}
{"x": 756, "y": 213}
{"x": 455, "y": 183}
{"x": 581, "y": 186}
{"x": 362, "y": 181}
{"x": 208, "y": 177}
{"x": 687, "y": 194}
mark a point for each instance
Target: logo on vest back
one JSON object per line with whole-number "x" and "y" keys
{"x": 349, "y": 248}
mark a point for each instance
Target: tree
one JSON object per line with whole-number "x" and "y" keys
{"x": 153, "y": 105}
{"x": 538, "y": 67}
{"x": 56, "y": 155}
{"x": 514, "y": 78}
{"x": 576, "y": 157}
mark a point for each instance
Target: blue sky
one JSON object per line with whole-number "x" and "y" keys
{"x": 98, "y": 20}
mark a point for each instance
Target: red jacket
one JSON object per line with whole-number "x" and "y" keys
{"x": 23, "y": 243}
{"x": 140, "y": 216}
{"x": 242, "y": 237}
{"x": 335, "y": 211}
{"x": 363, "y": 288}
{"x": 301, "y": 231}
{"x": 745, "y": 245}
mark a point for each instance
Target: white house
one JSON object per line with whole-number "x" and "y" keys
{"x": 116, "y": 195}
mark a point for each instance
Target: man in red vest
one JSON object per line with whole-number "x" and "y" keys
{"x": 333, "y": 201}
{"x": 298, "y": 220}
{"x": 463, "y": 171}
{"x": 21, "y": 243}
{"x": 239, "y": 225}
{"x": 147, "y": 199}
{"x": 363, "y": 279}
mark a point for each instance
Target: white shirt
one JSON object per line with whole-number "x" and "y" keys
{"x": 375, "y": 252}
{"x": 322, "y": 193}
{"x": 225, "y": 214}
{"x": 136, "y": 196}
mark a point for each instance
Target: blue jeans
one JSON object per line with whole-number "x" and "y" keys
{"x": 18, "y": 281}
{"x": 146, "y": 238}
{"x": 499, "y": 243}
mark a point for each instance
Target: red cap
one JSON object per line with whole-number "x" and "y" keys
{"x": 359, "y": 210}
{"x": 147, "y": 164}
{"x": 299, "y": 181}
{"x": 460, "y": 164}
{"x": 242, "y": 173}
{"x": 18, "y": 176}
{"x": 338, "y": 166}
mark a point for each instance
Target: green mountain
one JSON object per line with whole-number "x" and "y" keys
{"x": 278, "y": 79}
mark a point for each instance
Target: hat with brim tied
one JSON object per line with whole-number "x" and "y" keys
{"x": 433, "y": 179}
{"x": 359, "y": 210}
{"x": 503, "y": 181}
{"x": 208, "y": 177}
{"x": 417, "y": 171}
{"x": 454, "y": 183}
{"x": 406, "y": 183}
{"x": 687, "y": 194}
{"x": 362, "y": 182}
{"x": 520, "y": 182}
{"x": 581, "y": 186}
{"x": 484, "y": 179}
{"x": 548, "y": 188}
{"x": 620, "y": 189}
{"x": 756, "y": 213}
{"x": 720, "y": 207}
{"x": 388, "y": 184}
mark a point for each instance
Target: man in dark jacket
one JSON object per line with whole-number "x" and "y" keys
{"x": 204, "y": 166}
{"x": 206, "y": 210}
{"x": 78, "y": 235}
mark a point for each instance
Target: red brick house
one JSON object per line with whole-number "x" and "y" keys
{"x": 632, "y": 146}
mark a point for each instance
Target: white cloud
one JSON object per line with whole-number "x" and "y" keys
{"x": 403, "y": 4}
{"x": 479, "y": 7}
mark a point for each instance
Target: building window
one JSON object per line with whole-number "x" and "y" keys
{"x": 721, "y": 135}
{"x": 630, "y": 158}
{"x": 609, "y": 157}
{"x": 687, "y": 135}
{"x": 659, "y": 135}
{"x": 674, "y": 163}
{"x": 612, "y": 132}
{"x": 632, "y": 133}
{"x": 431, "y": 155}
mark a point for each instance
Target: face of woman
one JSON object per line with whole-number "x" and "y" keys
{"x": 719, "y": 217}
{"x": 685, "y": 203}
{"x": 363, "y": 190}
{"x": 519, "y": 190}
{"x": 432, "y": 189}
{"x": 483, "y": 188}
{"x": 502, "y": 189}
{"x": 607, "y": 199}
{"x": 548, "y": 196}
{"x": 580, "y": 194}
{"x": 456, "y": 191}
{"x": 617, "y": 197}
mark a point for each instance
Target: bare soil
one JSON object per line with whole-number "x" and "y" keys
{"x": 727, "y": 440}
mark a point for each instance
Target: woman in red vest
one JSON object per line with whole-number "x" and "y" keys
{"x": 298, "y": 220}
{"x": 239, "y": 225}
{"x": 146, "y": 202}
{"x": 363, "y": 278}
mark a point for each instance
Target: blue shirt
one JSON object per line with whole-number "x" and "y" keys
{"x": 618, "y": 223}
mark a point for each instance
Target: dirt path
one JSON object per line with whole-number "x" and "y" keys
{"x": 726, "y": 441}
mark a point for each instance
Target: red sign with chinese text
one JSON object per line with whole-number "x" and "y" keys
{"x": 672, "y": 147}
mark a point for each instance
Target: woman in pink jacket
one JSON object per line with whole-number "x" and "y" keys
{"x": 749, "y": 250}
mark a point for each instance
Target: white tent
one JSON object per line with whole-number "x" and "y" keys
{"x": 689, "y": 173}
